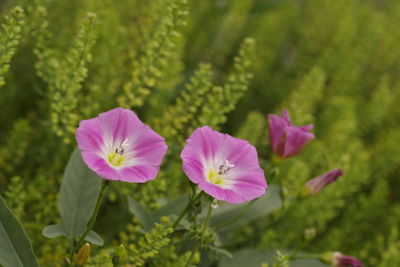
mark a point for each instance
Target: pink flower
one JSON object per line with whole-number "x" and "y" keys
{"x": 223, "y": 166}
{"x": 341, "y": 260}
{"x": 286, "y": 139}
{"x": 317, "y": 184}
{"x": 118, "y": 146}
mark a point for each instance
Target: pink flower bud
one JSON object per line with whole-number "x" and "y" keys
{"x": 341, "y": 260}
{"x": 315, "y": 185}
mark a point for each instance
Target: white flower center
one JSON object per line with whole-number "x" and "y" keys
{"x": 217, "y": 176}
{"x": 117, "y": 156}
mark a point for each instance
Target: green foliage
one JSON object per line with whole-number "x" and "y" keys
{"x": 12, "y": 154}
{"x": 66, "y": 80}
{"x": 154, "y": 59}
{"x": 303, "y": 100}
{"x": 16, "y": 196}
{"x": 150, "y": 244}
{"x": 253, "y": 129}
{"x": 222, "y": 100}
{"x": 333, "y": 64}
{"x": 176, "y": 118}
{"x": 9, "y": 38}
{"x": 15, "y": 247}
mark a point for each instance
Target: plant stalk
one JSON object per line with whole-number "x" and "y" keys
{"x": 92, "y": 220}
{"x": 207, "y": 220}
{"x": 186, "y": 209}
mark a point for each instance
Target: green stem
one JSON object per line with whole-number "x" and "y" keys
{"x": 186, "y": 209}
{"x": 91, "y": 221}
{"x": 207, "y": 220}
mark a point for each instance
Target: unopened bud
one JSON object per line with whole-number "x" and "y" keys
{"x": 214, "y": 204}
{"x": 337, "y": 259}
{"x": 83, "y": 255}
{"x": 314, "y": 186}
{"x": 119, "y": 255}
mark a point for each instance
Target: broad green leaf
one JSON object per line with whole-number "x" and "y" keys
{"x": 247, "y": 257}
{"x": 15, "y": 247}
{"x": 229, "y": 216}
{"x": 80, "y": 188}
{"x": 141, "y": 213}
{"x": 148, "y": 219}
{"x": 252, "y": 257}
{"x": 53, "y": 231}
{"x": 172, "y": 207}
{"x": 308, "y": 263}
{"x": 94, "y": 238}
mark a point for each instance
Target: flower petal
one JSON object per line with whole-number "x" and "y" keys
{"x": 89, "y": 135}
{"x": 147, "y": 147}
{"x": 296, "y": 139}
{"x": 206, "y": 145}
{"x": 276, "y": 127}
{"x": 205, "y": 141}
{"x": 138, "y": 174}
{"x": 142, "y": 149}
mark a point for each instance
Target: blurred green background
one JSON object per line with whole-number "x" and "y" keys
{"x": 181, "y": 65}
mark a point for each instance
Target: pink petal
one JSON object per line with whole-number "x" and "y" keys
{"x": 276, "y": 127}
{"x": 239, "y": 152}
{"x": 89, "y": 135}
{"x": 206, "y": 145}
{"x": 138, "y": 174}
{"x": 205, "y": 141}
{"x": 285, "y": 117}
{"x": 295, "y": 141}
{"x": 244, "y": 191}
{"x": 144, "y": 150}
{"x": 149, "y": 147}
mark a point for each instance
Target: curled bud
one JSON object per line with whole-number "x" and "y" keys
{"x": 83, "y": 255}
{"x": 119, "y": 255}
{"x": 337, "y": 259}
{"x": 315, "y": 185}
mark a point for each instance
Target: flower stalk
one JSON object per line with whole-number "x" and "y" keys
{"x": 186, "y": 209}
{"x": 205, "y": 224}
{"x": 91, "y": 221}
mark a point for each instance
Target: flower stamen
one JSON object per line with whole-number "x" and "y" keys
{"x": 217, "y": 177}
{"x": 225, "y": 167}
{"x": 117, "y": 158}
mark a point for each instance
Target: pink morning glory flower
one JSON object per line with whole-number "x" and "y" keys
{"x": 286, "y": 139}
{"x": 315, "y": 185}
{"x": 118, "y": 146}
{"x": 223, "y": 166}
{"x": 341, "y": 260}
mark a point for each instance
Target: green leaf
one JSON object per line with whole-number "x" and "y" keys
{"x": 141, "y": 213}
{"x": 15, "y": 247}
{"x": 94, "y": 238}
{"x": 252, "y": 257}
{"x": 229, "y": 216}
{"x": 247, "y": 257}
{"x": 172, "y": 207}
{"x": 80, "y": 188}
{"x": 53, "y": 231}
{"x": 148, "y": 219}
{"x": 307, "y": 263}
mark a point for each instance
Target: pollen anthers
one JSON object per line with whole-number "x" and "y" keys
{"x": 217, "y": 176}
{"x": 117, "y": 157}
